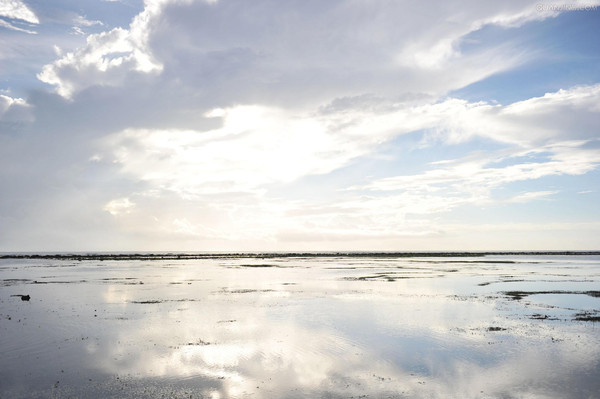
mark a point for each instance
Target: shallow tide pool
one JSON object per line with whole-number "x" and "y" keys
{"x": 496, "y": 326}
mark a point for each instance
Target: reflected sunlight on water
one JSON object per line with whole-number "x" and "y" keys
{"x": 340, "y": 327}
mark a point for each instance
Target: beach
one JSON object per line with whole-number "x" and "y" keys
{"x": 506, "y": 325}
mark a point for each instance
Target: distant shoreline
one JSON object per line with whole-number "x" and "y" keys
{"x": 267, "y": 255}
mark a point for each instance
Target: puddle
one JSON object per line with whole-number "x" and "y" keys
{"x": 579, "y": 301}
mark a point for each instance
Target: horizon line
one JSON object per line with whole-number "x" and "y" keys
{"x": 183, "y": 255}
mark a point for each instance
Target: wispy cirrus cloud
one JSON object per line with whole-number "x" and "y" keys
{"x": 532, "y": 196}
{"x": 15, "y": 15}
{"x": 546, "y": 136}
{"x": 80, "y": 22}
{"x": 16, "y": 9}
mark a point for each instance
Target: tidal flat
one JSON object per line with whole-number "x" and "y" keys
{"x": 518, "y": 325}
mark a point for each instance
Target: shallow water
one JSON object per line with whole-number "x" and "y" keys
{"x": 499, "y": 326}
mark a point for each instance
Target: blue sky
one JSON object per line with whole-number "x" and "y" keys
{"x": 281, "y": 125}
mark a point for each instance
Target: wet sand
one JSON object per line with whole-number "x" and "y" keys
{"x": 300, "y": 325}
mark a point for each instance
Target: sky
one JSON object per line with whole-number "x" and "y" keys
{"x": 287, "y": 125}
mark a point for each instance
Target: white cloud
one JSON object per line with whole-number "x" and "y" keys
{"x": 15, "y": 15}
{"x": 478, "y": 174}
{"x": 119, "y": 206}
{"x": 474, "y": 182}
{"x": 258, "y": 145}
{"x": 448, "y": 26}
{"x": 106, "y": 59}
{"x": 14, "y": 110}
{"x": 274, "y": 48}
{"x": 6, "y": 102}
{"x": 564, "y": 115}
{"x": 255, "y": 146}
{"x": 13, "y": 27}
{"x": 532, "y": 196}
{"x": 555, "y": 127}
{"x": 539, "y": 145}
{"x": 78, "y": 31}
{"x": 83, "y": 21}
{"x": 16, "y": 9}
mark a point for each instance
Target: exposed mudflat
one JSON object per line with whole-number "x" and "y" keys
{"x": 408, "y": 325}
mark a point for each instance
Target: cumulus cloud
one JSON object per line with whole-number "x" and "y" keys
{"x": 14, "y": 111}
{"x": 106, "y": 59}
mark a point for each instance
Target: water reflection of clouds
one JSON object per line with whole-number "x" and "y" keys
{"x": 425, "y": 346}
{"x": 307, "y": 332}
{"x": 245, "y": 359}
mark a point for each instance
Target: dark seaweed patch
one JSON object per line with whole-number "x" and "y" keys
{"x": 538, "y": 316}
{"x": 124, "y": 281}
{"x": 117, "y": 278}
{"x": 387, "y": 277}
{"x": 518, "y": 295}
{"x": 244, "y": 291}
{"x": 198, "y": 342}
{"x": 587, "y": 316}
{"x": 14, "y": 281}
{"x": 471, "y": 261}
{"x": 155, "y": 301}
